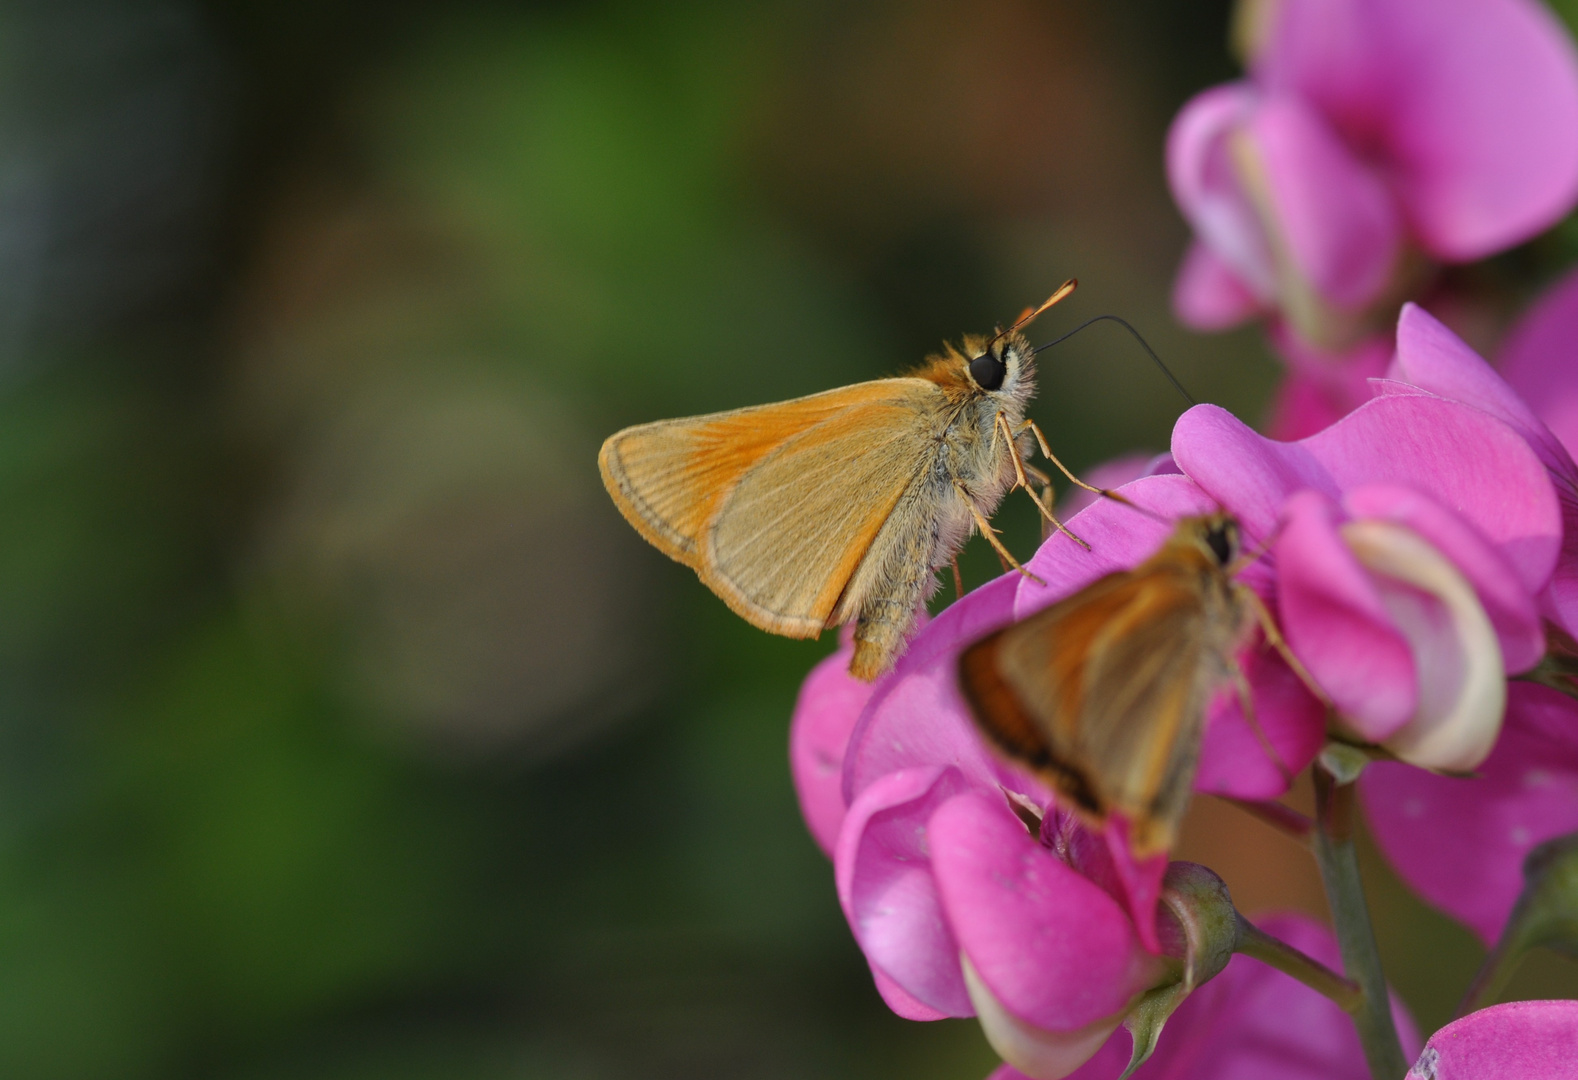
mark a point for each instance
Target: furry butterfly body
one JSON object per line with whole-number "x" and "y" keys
{"x": 839, "y": 506}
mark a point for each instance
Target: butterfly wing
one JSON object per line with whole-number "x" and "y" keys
{"x": 1105, "y": 695}
{"x": 774, "y": 506}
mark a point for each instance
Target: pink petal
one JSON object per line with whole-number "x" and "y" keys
{"x": 1539, "y": 359}
{"x": 1540, "y": 362}
{"x": 1207, "y": 295}
{"x": 882, "y": 868}
{"x": 1120, "y": 537}
{"x": 1139, "y": 879}
{"x": 1517, "y": 1039}
{"x": 1336, "y": 623}
{"x": 915, "y": 716}
{"x": 1460, "y": 678}
{"x": 1433, "y": 358}
{"x": 900, "y": 1001}
{"x": 1460, "y": 843}
{"x": 1302, "y": 407}
{"x": 1461, "y": 457}
{"x": 1305, "y": 405}
{"x": 1505, "y": 597}
{"x": 1208, "y": 191}
{"x": 1114, "y": 474}
{"x": 1233, "y": 757}
{"x": 1050, "y": 945}
{"x": 830, "y": 702}
{"x": 1322, "y": 387}
{"x": 1470, "y": 105}
{"x": 1334, "y": 215}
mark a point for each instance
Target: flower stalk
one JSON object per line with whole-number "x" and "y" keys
{"x": 1339, "y": 871}
{"x": 1276, "y": 953}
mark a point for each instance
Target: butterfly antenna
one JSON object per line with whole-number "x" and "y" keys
{"x": 1030, "y": 314}
{"x": 1137, "y": 337}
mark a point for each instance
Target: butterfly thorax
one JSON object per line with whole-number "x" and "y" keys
{"x": 969, "y": 462}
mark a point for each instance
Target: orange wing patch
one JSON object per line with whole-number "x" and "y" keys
{"x": 773, "y": 506}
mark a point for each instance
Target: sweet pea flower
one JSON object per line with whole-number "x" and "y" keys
{"x": 1251, "y": 1023}
{"x": 1410, "y": 539}
{"x": 1460, "y": 843}
{"x": 968, "y": 891}
{"x": 1516, "y": 1039}
{"x": 1371, "y": 140}
{"x": 1418, "y": 526}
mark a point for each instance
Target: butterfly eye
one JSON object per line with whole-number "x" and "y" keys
{"x": 1223, "y": 540}
{"x": 988, "y": 371}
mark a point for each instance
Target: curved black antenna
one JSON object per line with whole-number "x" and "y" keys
{"x": 1145, "y": 344}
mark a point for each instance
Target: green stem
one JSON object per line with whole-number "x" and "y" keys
{"x": 1546, "y": 914}
{"x": 1339, "y": 871}
{"x": 1495, "y": 973}
{"x": 1274, "y": 952}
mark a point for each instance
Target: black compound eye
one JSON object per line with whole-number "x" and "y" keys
{"x": 1222, "y": 540}
{"x": 988, "y": 371}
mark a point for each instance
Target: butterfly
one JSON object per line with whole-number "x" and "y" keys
{"x": 841, "y": 506}
{"x": 1104, "y": 694}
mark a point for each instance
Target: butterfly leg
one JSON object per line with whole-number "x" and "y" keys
{"x": 1246, "y": 702}
{"x": 1247, "y": 559}
{"x": 1046, "y": 450}
{"x": 1020, "y": 480}
{"x": 958, "y": 582}
{"x": 1046, "y": 495}
{"x": 1274, "y": 638}
{"x": 991, "y": 534}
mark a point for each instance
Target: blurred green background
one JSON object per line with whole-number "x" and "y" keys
{"x": 345, "y": 729}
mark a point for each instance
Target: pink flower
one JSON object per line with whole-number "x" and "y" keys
{"x": 963, "y": 903}
{"x": 1517, "y": 1039}
{"x": 1411, "y": 539}
{"x": 1251, "y": 1023}
{"x": 1460, "y": 842}
{"x": 1371, "y": 138}
{"x": 959, "y": 907}
{"x": 1419, "y": 528}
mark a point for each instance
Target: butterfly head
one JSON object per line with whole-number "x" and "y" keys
{"x": 999, "y": 366}
{"x": 1219, "y": 534}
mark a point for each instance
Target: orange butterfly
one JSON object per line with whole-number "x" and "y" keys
{"x": 1104, "y": 694}
{"x": 842, "y": 505}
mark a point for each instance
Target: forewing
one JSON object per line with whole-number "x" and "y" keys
{"x": 772, "y": 505}
{"x": 1026, "y": 682}
{"x": 791, "y": 534}
{"x": 1146, "y": 691}
{"x": 1115, "y": 680}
